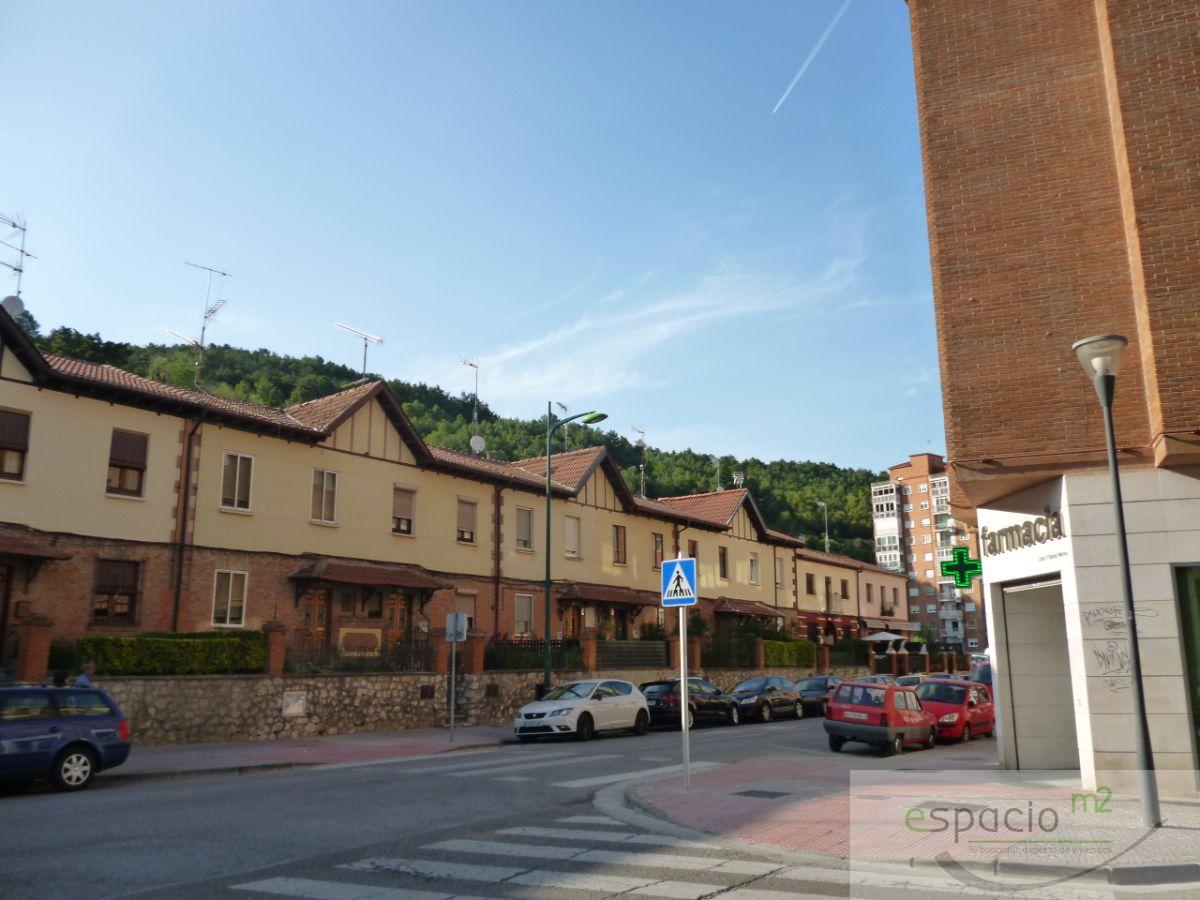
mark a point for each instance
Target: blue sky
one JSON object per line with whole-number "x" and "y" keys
{"x": 593, "y": 199}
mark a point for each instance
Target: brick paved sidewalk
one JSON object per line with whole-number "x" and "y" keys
{"x": 981, "y": 818}
{"x": 193, "y": 759}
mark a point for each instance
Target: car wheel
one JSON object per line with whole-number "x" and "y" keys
{"x": 735, "y": 717}
{"x": 691, "y": 714}
{"x": 764, "y": 712}
{"x": 895, "y": 746}
{"x": 835, "y": 743}
{"x": 585, "y": 728}
{"x": 798, "y": 711}
{"x": 73, "y": 769}
{"x": 931, "y": 741}
{"x": 966, "y": 735}
{"x": 824, "y": 707}
{"x": 642, "y": 723}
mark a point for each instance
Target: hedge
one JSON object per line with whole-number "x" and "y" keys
{"x": 197, "y": 653}
{"x": 789, "y": 654}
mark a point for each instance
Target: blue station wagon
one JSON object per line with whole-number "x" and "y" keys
{"x": 64, "y": 734}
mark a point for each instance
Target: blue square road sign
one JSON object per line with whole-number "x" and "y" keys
{"x": 679, "y": 582}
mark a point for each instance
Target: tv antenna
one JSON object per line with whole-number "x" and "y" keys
{"x": 640, "y": 443}
{"x": 210, "y": 310}
{"x": 367, "y": 339}
{"x": 17, "y": 223}
{"x": 739, "y": 479}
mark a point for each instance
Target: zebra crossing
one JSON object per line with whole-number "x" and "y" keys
{"x": 593, "y": 856}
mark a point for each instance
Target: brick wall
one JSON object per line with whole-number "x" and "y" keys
{"x": 1061, "y": 176}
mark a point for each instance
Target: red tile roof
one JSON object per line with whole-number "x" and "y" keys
{"x": 323, "y": 413}
{"x": 845, "y": 562}
{"x": 736, "y": 607}
{"x": 492, "y": 468}
{"x": 371, "y": 574}
{"x": 11, "y": 545}
{"x": 570, "y": 467}
{"x": 604, "y": 593}
{"x": 716, "y": 506}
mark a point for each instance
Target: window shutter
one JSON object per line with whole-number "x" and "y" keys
{"x": 128, "y": 450}
{"x": 116, "y": 576}
{"x": 402, "y": 503}
{"x": 14, "y": 431}
{"x": 466, "y": 516}
{"x": 525, "y": 527}
{"x": 229, "y": 481}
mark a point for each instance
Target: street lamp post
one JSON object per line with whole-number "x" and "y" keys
{"x": 1100, "y": 357}
{"x": 552, "y": 425}
{"x": 825, "y": 508}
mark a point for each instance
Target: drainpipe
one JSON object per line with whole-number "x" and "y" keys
{"x": 496, "y": 573}
{"x": 184, "y": 512}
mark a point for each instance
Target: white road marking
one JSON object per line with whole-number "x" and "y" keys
{"x": 754, "y": 894}
{"x": 311, "y": 889}
{"x": 499, "y": 760}
{"x": 498, "y": 848}
{"x": 630, "y": 776}
{"x": 590, "y": 820}
{"x": 540, "y": 764}
{"x": 607, "y": 837}
{"x": 430, "y": 868}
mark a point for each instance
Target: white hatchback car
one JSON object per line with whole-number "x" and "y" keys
{"x": 582, "y": 708}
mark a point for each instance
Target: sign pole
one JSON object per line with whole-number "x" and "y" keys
{"x": 453, "y": 666}
{"x": 683, "y": 698}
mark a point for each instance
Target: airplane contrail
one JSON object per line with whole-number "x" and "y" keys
{"x": 812, "y": 54}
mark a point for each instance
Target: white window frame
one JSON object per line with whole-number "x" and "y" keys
{"x": 529, "y": 545}
{"x": 914, "y": 609}
{"x": 754, "y": 568}
{"x": 923, "y": 488}
{"x": 324, "y": 489}
{"x": 517, "y": 632}
{"x": 474, "y": 532}
{"x": 249, "y": 507}
{"x": 931, "y": 609}
{"x": 778, "y": 572}
{"x": 228, "y": 605}
{"x": 412, "y": 522}
{"x": 575, "y": 552}
{"x": 973, "y": 643}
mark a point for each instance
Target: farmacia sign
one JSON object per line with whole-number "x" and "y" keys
{"x": 1022, "y": 535}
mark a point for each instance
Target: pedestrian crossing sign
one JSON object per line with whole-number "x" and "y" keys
{"x": 679, "y": 582}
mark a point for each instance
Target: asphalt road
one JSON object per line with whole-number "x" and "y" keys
{"x": 517, "y": 821}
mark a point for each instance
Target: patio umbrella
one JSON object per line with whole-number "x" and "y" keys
{"x": 883, "y": 636}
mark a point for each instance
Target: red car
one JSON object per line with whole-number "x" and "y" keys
{"x": 963, "y": 709}
{"x": 883, "y": 715}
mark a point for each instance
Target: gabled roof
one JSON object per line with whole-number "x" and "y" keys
{"x": 492, "y": 470}
{"x": 325, "y": 414}
{"x": 571, "y": 467}
{"x": 845, "y": 562}
{"x": 719, "y": 507}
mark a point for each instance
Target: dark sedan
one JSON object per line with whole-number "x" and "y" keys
{"x": 814, "y": 692}
{"x": 705, "y": 702}
{"x": 769, "y": 697}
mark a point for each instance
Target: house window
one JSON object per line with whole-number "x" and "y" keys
{"x": 229, "y": 598}
{"x": 778, "y": 572}
{"x": 524, "y": 528}
{"x": 914, "y": 610}
{"x": 931, "y": 608}
{"x": 235, "y": 481}
{"x": 523, "y": 624}
{"x": 694, "y": 551}
{"x": 926, "y": 539}
{"x": 114, "y": 597}
{"x": 971, "y": 623}
{"x": 657, "y": 556}
{"x": 571, "y": 536}
{"x": 929, "y": 573}
{"x": 907, "y": 490}
{"x": 969, "y": 606}
{"x": 126, "y": 463}
{"x": 14, "y": 444}
{"x": 403, "y": 501}
{"x": 810, "y": 583}
{"x": 465, "y": 603}
{"x": 973, "y": 643}
{"x": 909, "y": 541}
{"x": 908, "y": 507}
{"x": 895, "y": 596}
{"x": 324, "y": 496}
{"x": 925, "y": 522}
{"x": 618, "y": 535}
{"x": 923, "y": 488}
{"x": 913, "y": 592}
{"x": 466, "y": 521}
{"x": 723, "y": 562}
{"x": 845, "y": 589}
{"x": 870, "y": 593}
{"x": 754, "y": 568}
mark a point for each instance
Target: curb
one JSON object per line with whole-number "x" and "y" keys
{"x": 620, "y": 802}
{"x": 255, "y": 768}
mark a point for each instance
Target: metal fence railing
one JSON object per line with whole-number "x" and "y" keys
{"x": 530, "y": 654}
{"x": 632, "y": 655}
{"x": 722, "y": 652}
{"x": 404, "y": 656}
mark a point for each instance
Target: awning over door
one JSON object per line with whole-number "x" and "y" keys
{"x": 604, "y": 593}
{"x": 395, "y": 575}
{"x": 734, "y": 607}
{"x": 891, "y": 625}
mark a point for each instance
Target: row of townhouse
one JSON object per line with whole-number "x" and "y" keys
{"x": 130, "y": 505}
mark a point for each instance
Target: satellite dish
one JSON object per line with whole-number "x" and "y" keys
{"x": 13, "y": 305}
{"x": 478, "y": 443}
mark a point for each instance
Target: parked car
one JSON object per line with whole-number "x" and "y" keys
{"x": 816, "y": 691}
{"x": 705, "y": 701}
{"x": 982, "y": 675}
{"x": 876, "y": 679}
{"x": 66, "y": 735}
{"x": 883, "y": 715}
{"x": 979, "y": 659}
{"x": 767, "y": 698}
{"x": 913, "y": 679}
{"x": 581, "y": 709}
{"x": 963, "y": 709}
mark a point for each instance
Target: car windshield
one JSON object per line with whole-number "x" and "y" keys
{"x": 575, "y": 691}
{"x": 908, "y": 680}
{"x": 940, "y": 692}
{"x": 812, "y": 684}
{"x": 751, "y": 684}
{"x": 658, "y": 687}
{"x": 860, "y": 695}
{"x": 982, "y": 675}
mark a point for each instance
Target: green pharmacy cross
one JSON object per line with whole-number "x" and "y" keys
{"x": 963, "y": 568}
